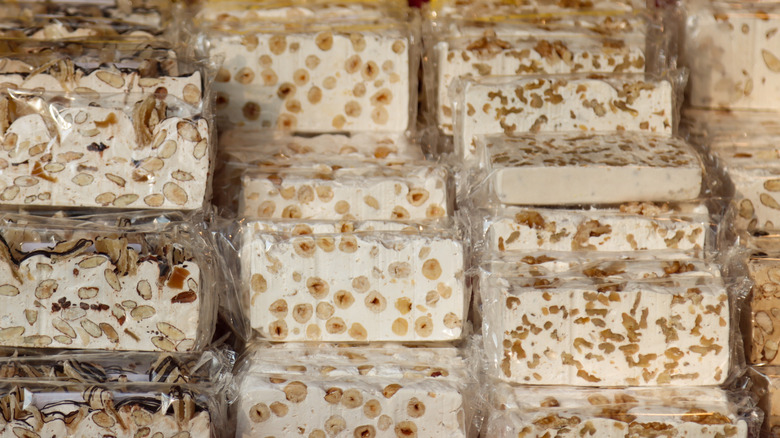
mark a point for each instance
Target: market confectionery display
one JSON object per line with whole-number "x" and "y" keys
{"x": 357, "y": 218}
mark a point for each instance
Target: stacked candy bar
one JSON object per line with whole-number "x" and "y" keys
{"x": 345, "y": 234}
{"x": 106, "y": 136}
{"x": 732, "y": 51}
{"x": 592, "y": 237}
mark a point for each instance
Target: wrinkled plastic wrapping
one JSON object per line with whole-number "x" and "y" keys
{"x": 567, "y": 103}
{"x": 739, "y": 124}
{"x": 535, "y": 8}
{"x": 316, "y": 74}
{"x": 392, "y": 391}
{"x": 582, "y": 169}
{"x": 105, "y": 130}
{"x": 343, "y": 190}
{"x": 606, "y": 331}
{"x": 686, "y": 228}
{"x": 118, "y": 409}
{"x": 92, "y": 285}
{"x": 731, "y": 50}
{"x": 156, "y": 14}
{"x": 532, "y": 45}
{"x": 762, "y": 314}
{"x": 352, "y": 282}
{"x": 570, "y": 412}
{"x": 766, "y": 386}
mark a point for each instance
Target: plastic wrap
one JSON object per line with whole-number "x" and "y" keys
{"x": 105, "y": 130}
{"x": 353, "y": 282}
{"x": 766, "y": 386}
{"x": 632, "y": 227}
{"x": 577, "y": 169}
{"x": 565, "y": 103}
{"x": 570, "y": 412}
{"x": 90, "y": 285}
{"x": 731, "y": 50}
{"x": 315, "y": 75}
{"x": 125, "y": 410}
{"x": 762, "y": 313}
{"x": 343, "y": 190}
{"x": 525, "y": 45}
{"x": 540, "y": 8}
{"x": 348, "y": 391}
{"x": 739, "y": 124}
{"x": 609, "y": 332}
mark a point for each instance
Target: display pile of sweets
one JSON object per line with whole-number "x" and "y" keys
{"x": 325, "y": 218}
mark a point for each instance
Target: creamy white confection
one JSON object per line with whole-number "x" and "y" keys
{"x": 103, "y": 81}
{"x": 634, "y": 333}
{"x": 597, "y": 230}
{"x": 244, "y": 146}
{"x": 39, "y": 415}
{"x": 512, "y": 105}
{"x": 408, "y": 192}
{"x": 105, "y": 157}
{"x": 361, "y": 286}
{"x": 615, "y": 413}
{"x": 91, "y": 301}
{"x": 293, "y": 228}
{"x": 590, "y": 169}
{"x": 734, "y": 56}
{"x": 344, "y": 392}
{"x": 499, "y": 51}
{"x": 761, "y": 342}
{"x": 498, "y": 8}
{"x": 316, "y": 82}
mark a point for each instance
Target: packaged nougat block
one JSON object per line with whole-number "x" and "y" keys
{"x": 573, "y": 169}
{"x": 354, "y": 73}
{"x": 576, "y": 412}
{"x": 49, "y": 409}
{"x": 632, "y": 227}
{"x": 534, "y": 8}
{"x": 558, "y": 104}
{"x": 346, "y": 191}
{"x": 761, "y": 339}
{"x": 64, "y": 285}
{"x": 335, "y": 282}
{"x": 353, "y": 392}
{"x": 766, "y": 385}
{"x": 732, "y": 51}
{"x": 591, "y": 332}
{"x": 594, "y": 45}
{"x": 130, "y": 133}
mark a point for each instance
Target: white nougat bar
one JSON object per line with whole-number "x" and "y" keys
{"x": 596, "y": 230}
{"x": 535, "y": 105}
{"x": 105, "y": 157}
{"x": 370, "y": 192}
{"x": 509, "y": 52}
{"x": 643, "y": 333}
{"x": 316, "y": 82}
{"x": 616, "y": 413}
{"x": 344, "y": 391}
{"x": 392, "y": 286}
{"x": 734, "y": 57}
{"x": 591, "y": 169}
{"x": 69, "y": 297}
{"x": 761, "y": 338}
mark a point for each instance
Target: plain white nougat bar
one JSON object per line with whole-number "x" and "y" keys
{"x": 591, "y": 169}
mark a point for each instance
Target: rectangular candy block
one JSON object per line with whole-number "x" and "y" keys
{"x": 354, "y": 286}
{"x": 591, "y": 169}
{"x": 761, "y": 340}
{"x": 539, "y": 104}
{"x": 346, "y": 392}
{"x": 348, "y": 77}
{"x": 732, "y": 52}
{"x": 615, "y": 413}
{"x": 598, "y": 230}
{"x": 104, "y": 293}
{"x": 624, "y": 333}
{"x": 499, "y": 51}
{"x": 369, "y": 192}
